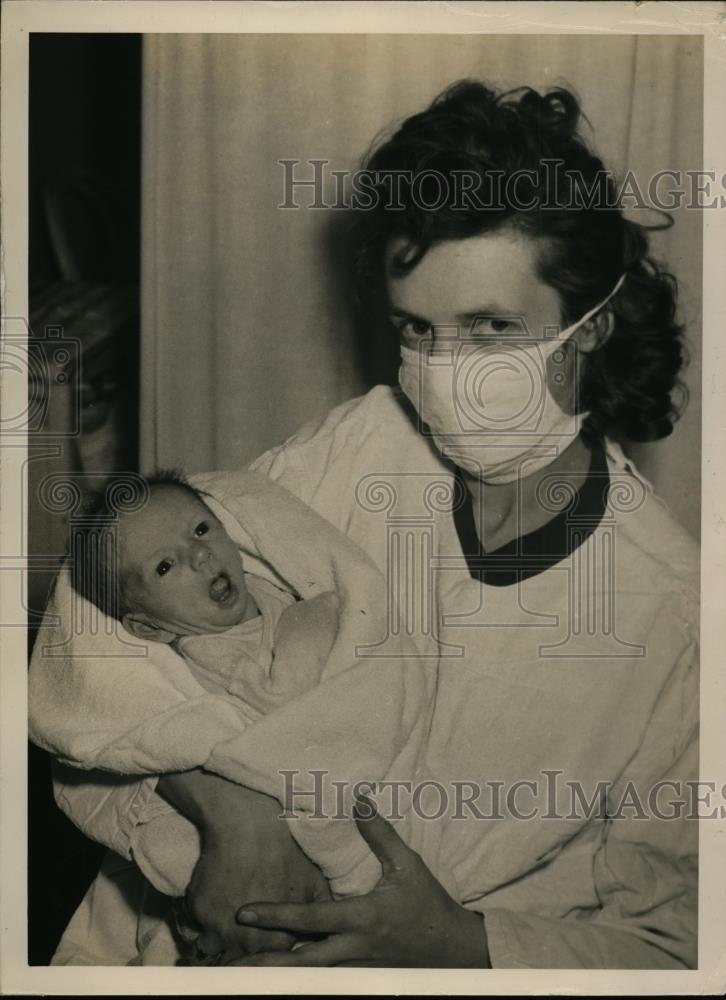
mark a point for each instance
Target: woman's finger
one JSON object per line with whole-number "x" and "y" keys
{"x": 382, "y": 838}
{"x": 337, "y": 950}
{"x": 329, "y": 917}
{"x": 207, "y": 945}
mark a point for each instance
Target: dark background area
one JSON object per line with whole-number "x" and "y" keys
{"x": 85, "y": 117}
{"x": 84, "y": 182}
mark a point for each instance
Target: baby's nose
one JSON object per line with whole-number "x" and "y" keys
{"x": 200, "y": 556}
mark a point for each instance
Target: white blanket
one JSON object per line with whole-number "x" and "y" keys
{"x": 100, "y": 698}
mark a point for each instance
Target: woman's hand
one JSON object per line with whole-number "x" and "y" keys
{"x": 408, "y": 920}
{"x": 247, "y": 853}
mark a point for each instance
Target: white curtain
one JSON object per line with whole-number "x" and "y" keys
{"x": 246, "y": 329}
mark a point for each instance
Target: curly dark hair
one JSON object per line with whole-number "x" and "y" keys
{"x": 628, "y": 382}
{"x": 93, "y": 559}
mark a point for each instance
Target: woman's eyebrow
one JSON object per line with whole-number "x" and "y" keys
{"x": 405, "y": 314}
{"x": 465, "y": 318}
{"x": 490, "y": 309}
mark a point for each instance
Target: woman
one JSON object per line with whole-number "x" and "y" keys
{"x": 534, "y": 328}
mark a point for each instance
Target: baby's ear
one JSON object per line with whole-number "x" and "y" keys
{"x": 146, "y": 630}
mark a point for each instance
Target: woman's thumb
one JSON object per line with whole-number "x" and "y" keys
{"x": 381, "y": 837}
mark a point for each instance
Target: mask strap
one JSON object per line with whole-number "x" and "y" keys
{"x": 595, "y": 309}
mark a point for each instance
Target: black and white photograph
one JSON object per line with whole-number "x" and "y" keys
{"x": 361, "y": 443}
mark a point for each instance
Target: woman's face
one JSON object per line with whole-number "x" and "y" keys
{"x": 482, "y": 290}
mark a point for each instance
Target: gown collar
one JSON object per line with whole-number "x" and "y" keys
{"x": 539, "y": 550}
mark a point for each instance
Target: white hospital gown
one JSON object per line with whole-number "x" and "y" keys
{"x": 556, "y": 677}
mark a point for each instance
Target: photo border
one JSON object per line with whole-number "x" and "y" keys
{"x": 204, "y": 16}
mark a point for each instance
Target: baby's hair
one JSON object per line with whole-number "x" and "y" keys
{"x": 93, "y": 542}
{"x": 174, "y": 477}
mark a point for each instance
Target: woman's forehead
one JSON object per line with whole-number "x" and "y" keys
{"x": 495, "y": 272}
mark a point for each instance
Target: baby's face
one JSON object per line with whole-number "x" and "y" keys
{"x": 181, "y": 571}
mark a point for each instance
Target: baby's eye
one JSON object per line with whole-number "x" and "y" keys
{"x": 163, "y": 568}
{"x": 201, "y": 529}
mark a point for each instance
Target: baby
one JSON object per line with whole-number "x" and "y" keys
{"x": 253, "y": 676}
{"x": 175, "y": 576}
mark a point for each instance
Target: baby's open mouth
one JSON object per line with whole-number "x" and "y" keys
{"x": 222, "y": 590}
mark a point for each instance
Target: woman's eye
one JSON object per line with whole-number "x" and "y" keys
{"x": 201, "y": 529}
{"x": 417, "y": 327}
{"x": 163, "y": 568}
{"x": 412, "y": 327}
{"x": 485, "y": 326}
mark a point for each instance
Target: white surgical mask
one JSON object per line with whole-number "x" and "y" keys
{"x": 488, "y": 409}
